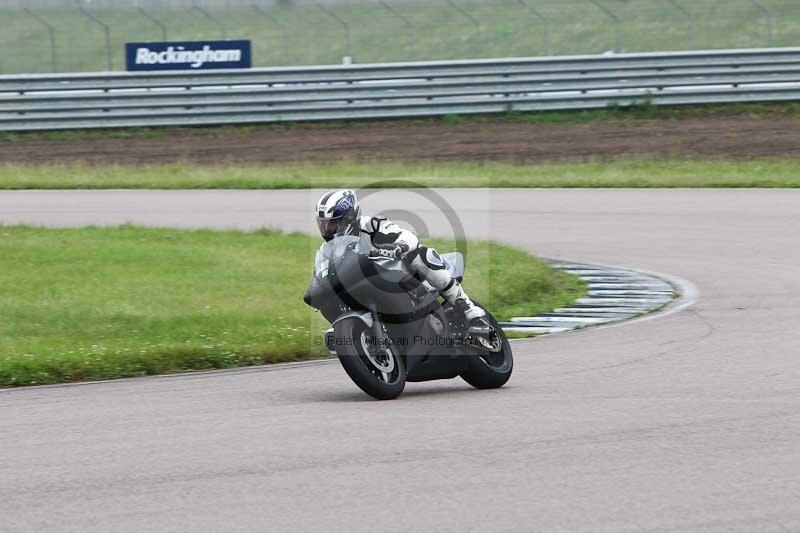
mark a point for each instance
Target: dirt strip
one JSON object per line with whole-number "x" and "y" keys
{"x": 514, "y": 141}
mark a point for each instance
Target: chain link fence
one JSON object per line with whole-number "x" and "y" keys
{"x": 89, "y": 35}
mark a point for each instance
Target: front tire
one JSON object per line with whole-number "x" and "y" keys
{"x": 379, "y": 372}
{"x": 489, "y": 370}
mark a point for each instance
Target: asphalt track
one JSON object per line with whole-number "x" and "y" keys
{"x": 689, "y": 422}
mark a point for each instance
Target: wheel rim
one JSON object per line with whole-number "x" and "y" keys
{"x": 493, "y": 345}
{"x": 381, "y": 362}
{"x": 495, "y": 359}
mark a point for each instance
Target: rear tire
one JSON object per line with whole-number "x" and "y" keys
{"x": 489, "y": 370}
{"x": 382, "y": 376}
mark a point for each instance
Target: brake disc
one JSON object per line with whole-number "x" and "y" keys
{"x": 384, "y": 362}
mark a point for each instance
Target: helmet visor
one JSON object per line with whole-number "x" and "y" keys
{"x": 330, "y": 227}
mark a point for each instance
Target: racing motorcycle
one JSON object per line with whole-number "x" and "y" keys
{"x": 388, "y": 327}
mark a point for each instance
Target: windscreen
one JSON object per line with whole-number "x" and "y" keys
{"x": 332, "y": 252}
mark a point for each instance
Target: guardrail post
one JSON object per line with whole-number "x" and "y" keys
{"x": 348, "y": 45}
{"x": 106, "y": 30}
{"x": 690, "y": 19}
{"x": 213, "y": 19}
{"x": 281, "y": 27}
{"x": 617, "y": 21}
{"x": 51, "y": 32}
{"x": 770, "y": 21}
{"x": 545, "y": 24}
{"x": 475, "y": 22}
{"x": 410, "y": 30}
{"x": 155, "y": 21}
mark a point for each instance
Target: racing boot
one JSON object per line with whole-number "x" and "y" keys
{"x": 479, "y": 329}
{"x": 455, "y": 295}
{"x": 474, "y": 315}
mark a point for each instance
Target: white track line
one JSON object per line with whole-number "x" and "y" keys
{"x": 577, "y": 319}
{"x": 622, "y": 295}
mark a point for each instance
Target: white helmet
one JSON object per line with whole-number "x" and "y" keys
{"x": 337, "y": 214}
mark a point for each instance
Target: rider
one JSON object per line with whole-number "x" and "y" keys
{"x": 338, "y": 213}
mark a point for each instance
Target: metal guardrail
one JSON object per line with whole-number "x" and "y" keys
{"x": 110, "y": 100}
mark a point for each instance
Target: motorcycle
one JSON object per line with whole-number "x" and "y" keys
{"x": 388, "y": 327}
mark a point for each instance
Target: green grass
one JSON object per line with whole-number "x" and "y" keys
{"x": 506, "y": 29}
{"x": 626, "y": 173}
{"x": 102, "y": 303}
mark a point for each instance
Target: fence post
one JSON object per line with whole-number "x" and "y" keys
{"x": 690, "y": 19}
{"x": 281, "y": 27}
{"x": 616, "y": 20}
{"x": 106, "y": 30}
{"x": 475, "y": 22}
{"x": 213, "y": 19}
{"x": 407, "y": 22}
{"x": 51, "y": 32}
{"x": 155, "y": 21}
{"x": 348, "y": 45}
{"x": 545, "y": 24}
{"x": 770, "y": 22}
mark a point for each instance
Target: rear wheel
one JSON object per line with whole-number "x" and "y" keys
{"x": 377, "y": 370}
{"x": 490, "y": 369}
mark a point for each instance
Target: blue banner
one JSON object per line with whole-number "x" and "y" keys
{"x": 188, "y": 55}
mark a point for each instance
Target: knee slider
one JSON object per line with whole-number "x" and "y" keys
{"x": 430, "y": 267}
{"x": 431, "y": 258}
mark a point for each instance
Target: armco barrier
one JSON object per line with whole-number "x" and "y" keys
{"x": 111, "y": 99}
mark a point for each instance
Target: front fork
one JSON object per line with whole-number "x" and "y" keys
{"x": 382, "y": 340}
{"x": 372, "y": 321}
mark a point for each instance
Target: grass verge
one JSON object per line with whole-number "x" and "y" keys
{"x": 625, "y": 114}
{"x": 104, "y": 303}
{"x": 629, "y": 173}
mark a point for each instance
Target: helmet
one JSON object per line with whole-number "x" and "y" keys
{"x": 337, "y": 214}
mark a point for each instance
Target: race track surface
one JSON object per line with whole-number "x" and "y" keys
{"x": 689, "y": 422}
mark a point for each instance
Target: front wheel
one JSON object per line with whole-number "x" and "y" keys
{"x": 377, "y": 370}
{"x": 490, "y": 370}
